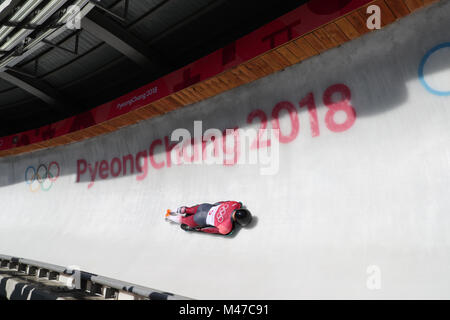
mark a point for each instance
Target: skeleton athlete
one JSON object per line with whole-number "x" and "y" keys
{"x": 219, "y": 217}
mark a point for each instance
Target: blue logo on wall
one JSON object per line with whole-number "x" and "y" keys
{"x": 422, "y": 66}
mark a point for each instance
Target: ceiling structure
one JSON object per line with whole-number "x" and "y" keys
{"x": 50, "y": 70}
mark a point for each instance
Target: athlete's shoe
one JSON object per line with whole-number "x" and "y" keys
{"x": 168, "y": 214}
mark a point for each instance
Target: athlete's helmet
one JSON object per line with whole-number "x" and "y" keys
{"x": 243, "y": 217}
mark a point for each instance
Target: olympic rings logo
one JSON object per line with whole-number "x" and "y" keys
{"x": 43, "y": 177}
{"x": 221, "y": 213}
{"x": 427, "y": 86}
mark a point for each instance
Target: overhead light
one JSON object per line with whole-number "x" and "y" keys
{"x": 25, "y": 10}
{"x": 64, "y": 19}
{"x": 43, "y": 15}
{"x": 5, "y": 4}
{"x": 86, "y": 7}
{"x": 46, "y": 12}
{"x": 21, "y": 14}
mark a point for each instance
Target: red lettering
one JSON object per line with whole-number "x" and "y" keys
{"x": 141, "y": 169}
{"x": 119, "y": 166}
{"x": 155, "y": 164}
{"x": 258, "y": 143}
{"x": 130, "y": 159}
{"x": 295, "y": 126}
{"x": 93, "y": 174}
{"x": 169, "y": 148}
{"x": 310, "y": 102}
{"x": 104, "y": 169}
{"x": 79, "y": 170}
{"x": 215, "y": 146}
{"x": 194, "y": 148}
{"x": 341, "y": 105}
{"x": 234, "y": 151}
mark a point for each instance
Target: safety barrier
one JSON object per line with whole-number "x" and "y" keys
{"x": 85, "y": 281}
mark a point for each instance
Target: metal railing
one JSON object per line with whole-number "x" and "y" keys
{"x": 85, "y": 281}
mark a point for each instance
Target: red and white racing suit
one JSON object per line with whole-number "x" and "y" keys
{"x": 213, "y": 218}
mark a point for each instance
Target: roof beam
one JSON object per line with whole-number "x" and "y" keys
{"x": 119, "y": 38}
{"x": 38, "y": 89}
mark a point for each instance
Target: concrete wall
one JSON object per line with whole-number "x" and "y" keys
{"x": 348, "y": 204}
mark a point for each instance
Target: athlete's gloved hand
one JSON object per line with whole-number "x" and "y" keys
{"x": 181, "y": 210}
{"x": 185, "y": 227}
